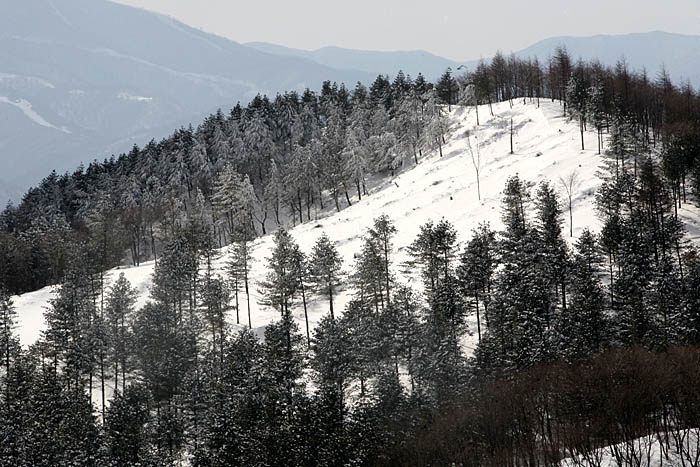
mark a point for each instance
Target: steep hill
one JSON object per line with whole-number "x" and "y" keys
{"x": 74, "y": 86}
{"x": 547, "y": 146}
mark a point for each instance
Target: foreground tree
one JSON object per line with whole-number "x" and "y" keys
{"x": 325, "y": 269}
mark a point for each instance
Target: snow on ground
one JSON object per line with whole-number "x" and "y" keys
{"x": 29, "y": 79}
{"x": 546, "y": 147}
{"x": 129, "y": 97}
{"x": 26, "y": 107}
{"x": 679, "y": 448}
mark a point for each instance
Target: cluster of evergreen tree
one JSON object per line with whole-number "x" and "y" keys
{"x": 273, "y": 162}
{"x": 358, "y": 388}
{"x": 354, "y": 390}
{"x": 285, "y": 159}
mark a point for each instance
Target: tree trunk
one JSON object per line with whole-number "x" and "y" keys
{"x": 306, "y": 315}
{"x": 247, "y": 292}
{"x": 571, "y": 218}
{"x": 478, "y": 317}
{"x": 511, "y": 135}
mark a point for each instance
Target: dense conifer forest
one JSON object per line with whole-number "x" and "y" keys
{"x": 580, "y": 345}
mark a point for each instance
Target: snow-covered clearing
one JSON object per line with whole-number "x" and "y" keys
{"x": 679, "y": 448}
{"x": 546, "y": 147}
{"x": 26, "y": 107}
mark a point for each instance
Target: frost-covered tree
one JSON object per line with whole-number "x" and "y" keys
{"x": 325, "y": 269}
{"x": 119, "y": 309}
{"x": 8, "y": 340}
{"x": 281, "y": 284}
{"x": 476, "y": 269}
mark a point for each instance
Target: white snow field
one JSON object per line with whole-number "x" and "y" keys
{"x": 678, "y": 448}
{"x": 546, "y": 147}
{"x": 26, "y": 108}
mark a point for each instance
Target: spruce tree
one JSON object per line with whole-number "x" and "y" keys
{"x": 118, "y": 311}
{"x": 325, "y": 271}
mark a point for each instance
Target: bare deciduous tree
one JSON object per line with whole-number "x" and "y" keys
{"x": 476, "y": 160}
{"x": 571, "y": 183}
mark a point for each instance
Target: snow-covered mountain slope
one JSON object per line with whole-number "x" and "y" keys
{"x": 546, "y": 146}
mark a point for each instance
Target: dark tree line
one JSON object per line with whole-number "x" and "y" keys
{"x": 378, "y": 383}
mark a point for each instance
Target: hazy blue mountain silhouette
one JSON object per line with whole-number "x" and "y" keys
{"x": 99, "y": 77}
{"x": 679, "y": 54}
{"x": 411, "y": 62}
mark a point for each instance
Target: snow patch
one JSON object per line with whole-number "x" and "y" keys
{"x": 26, "y": 107}
{"x": 128, "y": 97}
{"x": 31, "y": 79}
{"x": 678, "y": 448}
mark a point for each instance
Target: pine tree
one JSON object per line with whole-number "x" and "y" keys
{"x": 332, "y": 363}
{"x": 215, "y": 298}
{"x": 239, "y": 267}
{"x": 476, "y": 269}
{"x": 381, "y": 235}
{"x": 118, "y": 312}
{"x": 578, "y": 98}
{"x": 281, "y": 284}
{"x": 231, "y": 425}
{"x": 360, "y": 326}
{"x": 446, "y": 89}
{"x": 596, "y": 110}
{"x": 128, "y": 428}
{"x": 437, "y": 124}
{"x": 70, "y": 324}
{"x": 434, "y": 251}
{"x": 274, "y": 189}
{"x": 582, "y": 328}
{"x": 8, "y": 341}
{"x": 553, "y": 247}
{"x": 689, "y": 320}
{"x": 325, "y": 269}
{"x": 356, "y": 156}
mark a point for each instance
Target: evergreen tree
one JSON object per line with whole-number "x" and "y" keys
{"x": 476, "y": 270}
{"x": 8, "y": 341}
{"x": 325, "y": 269}
{"x": 446, "y": 89}
{"x": 578, "y": 98}
{"x": 434, "y": 251}
{"x": 553, "y": 247}
{"x": 281, "y": 283}
{"x": 239, "y": 267}
{"x": 127, "y": 428}
{"x": 582, "y": 328}
{"x": 118, "y": 311}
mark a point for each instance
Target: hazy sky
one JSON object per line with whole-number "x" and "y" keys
{"x": 457, "y": 29}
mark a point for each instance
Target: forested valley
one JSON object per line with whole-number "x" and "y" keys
{"x": 582, "y": 344}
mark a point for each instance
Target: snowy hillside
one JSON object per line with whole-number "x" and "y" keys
{"x": 679, "y": 448}
{"x": 546, "y": 146}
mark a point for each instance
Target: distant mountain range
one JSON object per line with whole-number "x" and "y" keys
{"x": 411, "y": 62}
{"x": 82, "y": 79}
{"x": 678, "y": 53}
